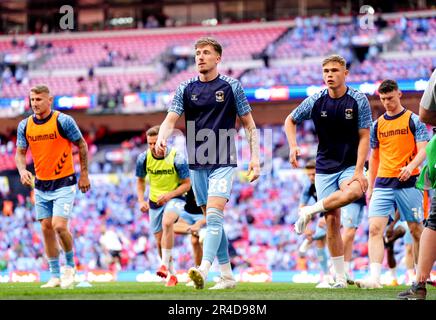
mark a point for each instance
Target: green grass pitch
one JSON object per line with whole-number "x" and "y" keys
{"x": 157, "y": 291}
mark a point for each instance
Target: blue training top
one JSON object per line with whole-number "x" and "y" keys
{"x": 210, "y": 113}
{"x": 337, "y": 122}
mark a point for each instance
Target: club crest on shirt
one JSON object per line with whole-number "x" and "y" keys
{"x": 323, "y": 113}
{"x": 348, "y": 114}
{"x": 194, "y": 97}
{"x": 219, "y": 96}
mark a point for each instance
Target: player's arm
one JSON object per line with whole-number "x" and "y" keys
{"x": 84, "y": 184}
{"x": 20, "y": 155}
{"x": 291, "y": 135}
{"x": 427, "y": 116}
{"x": 364, "y": 126}
{"x": 299, "y": 114}
{"x": 140, "y": 190}
{"x": 165, "y": 130}
{"x": 374, "y": 161}
{"x": 406, "y": 171}
{"x": 20, "y": 160}
{"x": 253, "y": 141}
{"x": 72, "y": 132}
{"x": 421, "y": 138}
{"x": 195, "y": 228}
{"x": 140, "y": 182}
{"x": 362, "y": 153}
{"x": 174, "y": 112}
{"x": 305, "y": 196}
{"x": 185, "y": 185}
{"x": 427, "y": 106}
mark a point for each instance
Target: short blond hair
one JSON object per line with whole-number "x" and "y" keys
{"x": 153, "y": 131}
{"x": 40, "y": 89}
{"x": 209, "y": 41}
{"x": 335, "y": 58}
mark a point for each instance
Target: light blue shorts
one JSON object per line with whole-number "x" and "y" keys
{"x": 351, "y": 215}
{"x": 190, "y": 218}
{"x": 57, "y": 203}
{"x": 407, "y": 200}
{"x": 211, "y": 183}
{"x": 175, "y": 205}
{"x": 326, "y": 184}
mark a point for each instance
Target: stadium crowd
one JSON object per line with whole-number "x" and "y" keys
{"x": 110, "y": 231}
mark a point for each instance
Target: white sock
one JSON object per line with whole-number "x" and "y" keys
{"x": 393, "y": 272}
{"x": 375, "y": 271}
{"x": 166, "y": 256}
{"x": 226, "y": 270}
{"x": 316, "y": 208}
{"x": 410, "y": 273}
{"x": 347, "y": 267}
{"x": 171, "y": 268}
{"x": 205, "y": 266}
{"x": 338, "y": 267}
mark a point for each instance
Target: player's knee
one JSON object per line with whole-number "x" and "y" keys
{"x": 46, "y": 226}
{"x": 353, "y": 194}
{"x": 59, "y": 228}
{"x": 415, "y": 230}
{"x": 375, "y": 230}
{"x": 167, "y": 223}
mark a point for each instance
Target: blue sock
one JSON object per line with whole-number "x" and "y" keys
{"x": 69, "y": 256}
{"x": 223, "y": 249}
{"x": 214, "y": 231}
{"x": 322, "y": 258}
{"x": 54, "y": 266}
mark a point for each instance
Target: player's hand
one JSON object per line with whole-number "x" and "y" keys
{"x": 293, "y": 154}
{"x": 26, "y": 178}
{"x": 163, "y": 199}
{"x": 84, "y": 184}
{"x": 195, "y": 228}
{"x": 160, "y": 146}
{"x": 253, "y": 170}
{"x": 405, "y": 173}
{"x": 359, "y": 177}
{"x": 144, "y": 206}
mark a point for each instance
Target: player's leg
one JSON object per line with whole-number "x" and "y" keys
{"x": 409, "y": 202}
{"x": 322, "y": 256}
{"x": 392, "y": 262}
{"x": 351, "y": 217}
{"x": 220, "y": 186}
{"x": 156, "y": 217}
{"x": 62, "y": 210}
{"x": 389, "y": 242}
{"x": 336, "y": 248}
{"x": 426, "y": 259}
{"x": 44, "y": 213}
{"x": 345, "y": 194}
{"x": 410, "y": 264}
{"x": 200, "y": 183}
{"x": 171, "y": 213}
{"x": 319, "y": 237}
{"x": 381, "y": 206}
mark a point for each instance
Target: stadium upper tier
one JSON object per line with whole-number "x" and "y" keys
{"x": 160, "y": 59}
